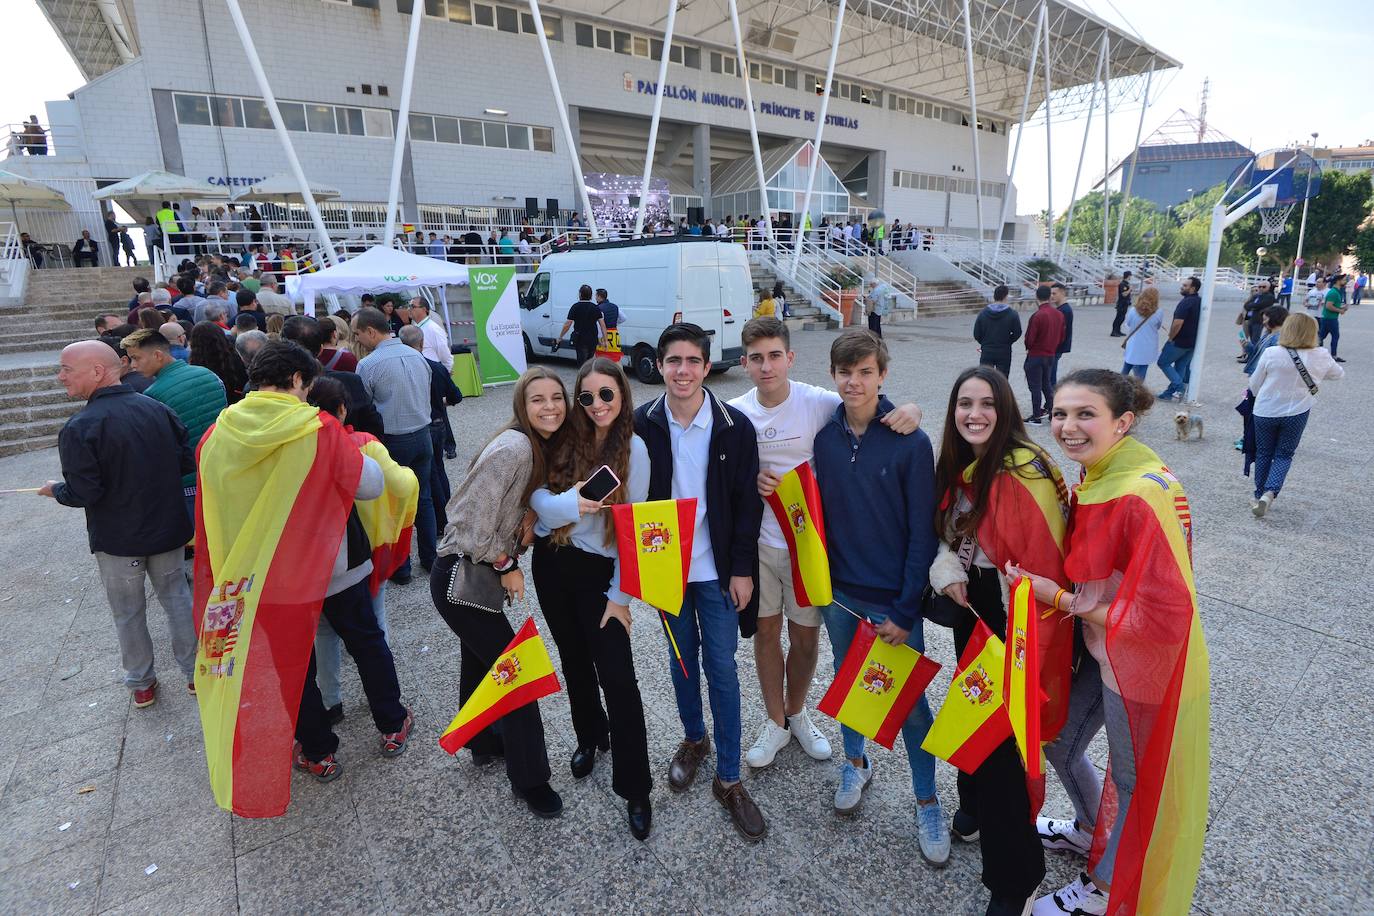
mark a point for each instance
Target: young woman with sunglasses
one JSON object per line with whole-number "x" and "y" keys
{"x": 577, "y": 579}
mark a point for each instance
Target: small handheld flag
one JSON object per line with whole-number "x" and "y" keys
{"x": 654, "y": 540}
{"x": 973, "y": 719}
{"x": 796, "y": 504}
{"x": 1022, "y": 679}
{"x": 522, "y": 674}
{"x": 877, "y": 685}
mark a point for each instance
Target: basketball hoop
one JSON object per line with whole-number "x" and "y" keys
{"x": 1274, "y": 221}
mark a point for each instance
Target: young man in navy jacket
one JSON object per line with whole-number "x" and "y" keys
{"x": 702, "y": 447}
{"x": 878, "y": 494}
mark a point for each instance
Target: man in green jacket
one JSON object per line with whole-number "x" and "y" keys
{"x": 194, "y": 393}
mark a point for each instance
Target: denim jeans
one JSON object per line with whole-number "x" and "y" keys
{"x": 123, "y": 578}
{"x": 1332, "y": 327}
{"x": 842, "y": 625}
{"x": 1276, "y": 439}
{"x": 1136, "y": 369}
{"x": 329, "y": 651}
{"x": 1176, "y": 362}
{"x": 1038, "y": 369}
{"x": 415, "y": 451}
{"x": 1068, "y": 752}
{"x": 707, "y": 633}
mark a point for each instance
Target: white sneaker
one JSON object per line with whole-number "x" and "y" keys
{"x": 809, "y": 736}
{"x": 1065, "y": 834}
{"x": 772, "y": 739}
{"x": 1080, "y": 897}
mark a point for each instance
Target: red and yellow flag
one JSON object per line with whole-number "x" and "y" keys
{"x": 276, "y": 484}
{"x": 797, "y": 505}
{"x": 522, "y": 674}
{"x": 973, "y": 720}
{"x": 1131, "y": 517}
{"x": 389, "y": 518}
{"x": 877, "y": 685}
{"x": 654, "y": 540}
{"x": 1022, "y": 680}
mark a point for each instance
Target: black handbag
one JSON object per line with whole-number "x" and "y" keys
{"x": 475, "y": 585}
{"x": 939, "y": 608}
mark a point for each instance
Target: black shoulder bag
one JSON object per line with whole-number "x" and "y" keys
{"x": 1302, "y": 370}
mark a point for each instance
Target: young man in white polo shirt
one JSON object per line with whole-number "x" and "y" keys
{"x": 786, "y": 415}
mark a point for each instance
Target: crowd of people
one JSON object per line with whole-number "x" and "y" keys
{"x": 371, "y": 392}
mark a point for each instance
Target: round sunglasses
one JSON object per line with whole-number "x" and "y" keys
{"x": 586, "y": 398}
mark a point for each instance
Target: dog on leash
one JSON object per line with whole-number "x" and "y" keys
{"x": 1185, "y": 423}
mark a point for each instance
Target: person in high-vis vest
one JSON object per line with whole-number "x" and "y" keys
{"x": 167, "y": 221}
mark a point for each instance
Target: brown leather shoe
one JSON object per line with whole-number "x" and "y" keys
{"x": 683, "y": 770}
{"x": 746, "y": 815}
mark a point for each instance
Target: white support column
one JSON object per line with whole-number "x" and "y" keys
{"x": 820, "y": 128}
{"x": 270, "y": 100}
{"x": 973, "y": 126}
{"x": 1049, "y": 143}
{"x": 1083, "y": 152}
{"x": 1130, "y": 176}
{"x": 568, "y": 137}
{"x": 653, "y": 122}
{"x": 393, "y": 197}
{"x": 1106, "y": 138}
{"x": 1020, "y": 131}
{"x": 753, "y": 120}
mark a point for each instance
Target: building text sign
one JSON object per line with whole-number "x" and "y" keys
{"x": 725, "y": 100}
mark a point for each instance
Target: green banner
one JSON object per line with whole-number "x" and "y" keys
{"x": 496, "y": 313}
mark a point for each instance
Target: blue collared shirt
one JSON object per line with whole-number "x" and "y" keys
{"x": 691, "y": 457}
{"x": 397, "y": 378}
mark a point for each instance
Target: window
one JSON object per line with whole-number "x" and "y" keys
{"x": 621, "y": 42}
{"x": 721, "y": 63}
{"x": 518, "y": 136}
{"x": 585, "y": 35}
{"x": 320, "y": 119}
{"x": 603, "y": 39}
{"x": 543, "y": 139}
{"x": 460, "y": 11}
{"x": 471, "y": 132}
{"x": 436, "y": 9}
{"x": 641, "y": 46}
{"x": 226, "y": 112}
{"x": 421, "y": 127}
{"x": 446, "y": 130}
{"x": 495, "y": 134}
{"x": 292, "y": 115}
{"x": 508, "y": 20}
{"x": 484, "y": 15}
{"x": 192, "y": 109}
{"x": 376, "y": 122}
{"x": 349, "y": 121}
{"x": 255, "y": 114}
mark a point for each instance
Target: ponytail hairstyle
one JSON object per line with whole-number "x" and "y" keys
{"x": 1123, "y": 393}
{"x": 577, "y": 455}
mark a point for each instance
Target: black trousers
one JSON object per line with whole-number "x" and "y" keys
{"x": 571, "y": 585}
{"x": 584, "y": 351}
{"x": 995, "y": 795}
{"x": 519, "y": 734}
{"x": 1121, "y": 307}
{"x": 439, "y": 489}
{"x": 1000, "y": 361}
{"x": 1038, "y": 379}
{"x": 875, "y": 323}
{"x": 350, "y": 614}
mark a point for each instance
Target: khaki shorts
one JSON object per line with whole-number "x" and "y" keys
{"x": 776, "y": 594}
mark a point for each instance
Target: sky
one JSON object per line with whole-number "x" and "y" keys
{"x": 1273, "y": 80}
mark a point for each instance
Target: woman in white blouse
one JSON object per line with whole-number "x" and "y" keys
{"x": 1283, "y": 399}
{"x": 1143, "y": 322}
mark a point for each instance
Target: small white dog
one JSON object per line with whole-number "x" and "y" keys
{"x": 1185, "y": 423}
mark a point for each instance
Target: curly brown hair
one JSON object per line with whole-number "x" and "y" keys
{"x": 578, "y": 454}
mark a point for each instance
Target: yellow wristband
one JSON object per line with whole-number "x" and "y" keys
{"x": 1056, "y": 599}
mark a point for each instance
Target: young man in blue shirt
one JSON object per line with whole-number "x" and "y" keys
{"x": 878, "y": 494}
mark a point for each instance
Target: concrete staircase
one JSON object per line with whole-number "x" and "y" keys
{"x": 805, "y": 316}
{"x": 59, "y": 306}
{"x": 937, "y": 298}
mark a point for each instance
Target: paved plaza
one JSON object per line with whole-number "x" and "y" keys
{"x": 105, "y": 808}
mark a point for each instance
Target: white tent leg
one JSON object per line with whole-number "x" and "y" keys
{"x": 568, "y": 137}
{"x": 417, "y": 13}
{"x": 973, "y": 127}
{"x": 1020, "y": 132}
{"x": 653, "y": 121}
{"x": 1130, "y": 176}
{"x": 753, "y": 121}
{"x": 270, "y": 100}
{"x": 800, "y": 229}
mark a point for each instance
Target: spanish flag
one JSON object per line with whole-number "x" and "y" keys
{"x": 654, "y": 540}
{"x": 876, "y": 686}
{"x": 522, "y": 674}
{"x": 389, "y": 518}
{"x": 1025, "y": 523}
{"x": 276, "y": 484}
{"x": 1022, "y": 680}
{"x": 797, "y": 505}
{"x": 973, "y": 720}
{"x": 1131, "y": 517}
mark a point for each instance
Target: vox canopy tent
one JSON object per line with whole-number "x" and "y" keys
{"x": 380, "y": 269}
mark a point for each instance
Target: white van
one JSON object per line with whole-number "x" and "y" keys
{"x": 655, "y": 282}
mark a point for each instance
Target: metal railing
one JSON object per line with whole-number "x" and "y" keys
{"x": 14, "y": 263}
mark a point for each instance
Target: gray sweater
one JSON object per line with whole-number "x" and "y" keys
{"x": 486, "y": 507}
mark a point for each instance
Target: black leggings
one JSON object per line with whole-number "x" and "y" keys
{"x": 571, "y": 586}
{"x": 995, "y": 795}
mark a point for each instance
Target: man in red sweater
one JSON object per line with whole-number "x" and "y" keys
{"x": 1044, "y": 334}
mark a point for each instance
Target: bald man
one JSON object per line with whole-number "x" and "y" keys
{"x": 176, "y": 336}
{"x": 122, "y": 457}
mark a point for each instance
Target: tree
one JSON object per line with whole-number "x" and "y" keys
{"x": 1363, "y": 247}
{"x": 1141, "y": 217}
{"x": 1333, "y": 219}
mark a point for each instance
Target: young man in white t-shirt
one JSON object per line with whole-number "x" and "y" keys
{"x": 786, "y": 415}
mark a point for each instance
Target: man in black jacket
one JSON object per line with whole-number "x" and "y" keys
{"x": 123, "y": 456}
{"x": 701, "y": 447}
{"x": 362, "y": 413}
{"x": 1253, "y": 309}
{"x": 1123, "y": 304}
{"x": 996, "y": 328}
{"x": 1059, "y": 298}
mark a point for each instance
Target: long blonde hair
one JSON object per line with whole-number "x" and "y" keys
{"x": 1147, "y": 303}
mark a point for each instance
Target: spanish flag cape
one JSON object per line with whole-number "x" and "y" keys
{"x": 276, "y": 484}
{"x": 1130, "y": 515}
{"x": 389, "y": 518}
{"x": 1024, "y": 523}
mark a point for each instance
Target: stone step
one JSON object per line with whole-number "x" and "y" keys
{"x": 27, "y": 444}
{"x": 33, "y": 397}
{"x": 13, "y": 416}
{"x": 15, "y": 432}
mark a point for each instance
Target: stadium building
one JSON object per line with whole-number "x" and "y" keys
{"x": 169, "y": 87}
{"x": 1183, "y": 157}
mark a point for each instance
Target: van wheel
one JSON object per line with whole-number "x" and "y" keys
{"x": 645, "y": 366}
{"x": 720, "y": 368}
{"x": 529, "y": 350}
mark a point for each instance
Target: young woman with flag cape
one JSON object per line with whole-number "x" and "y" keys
{"x": 477, "y": 573}
{"x": 1130, "y": 553}
{"x": 1002, "y": 499}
